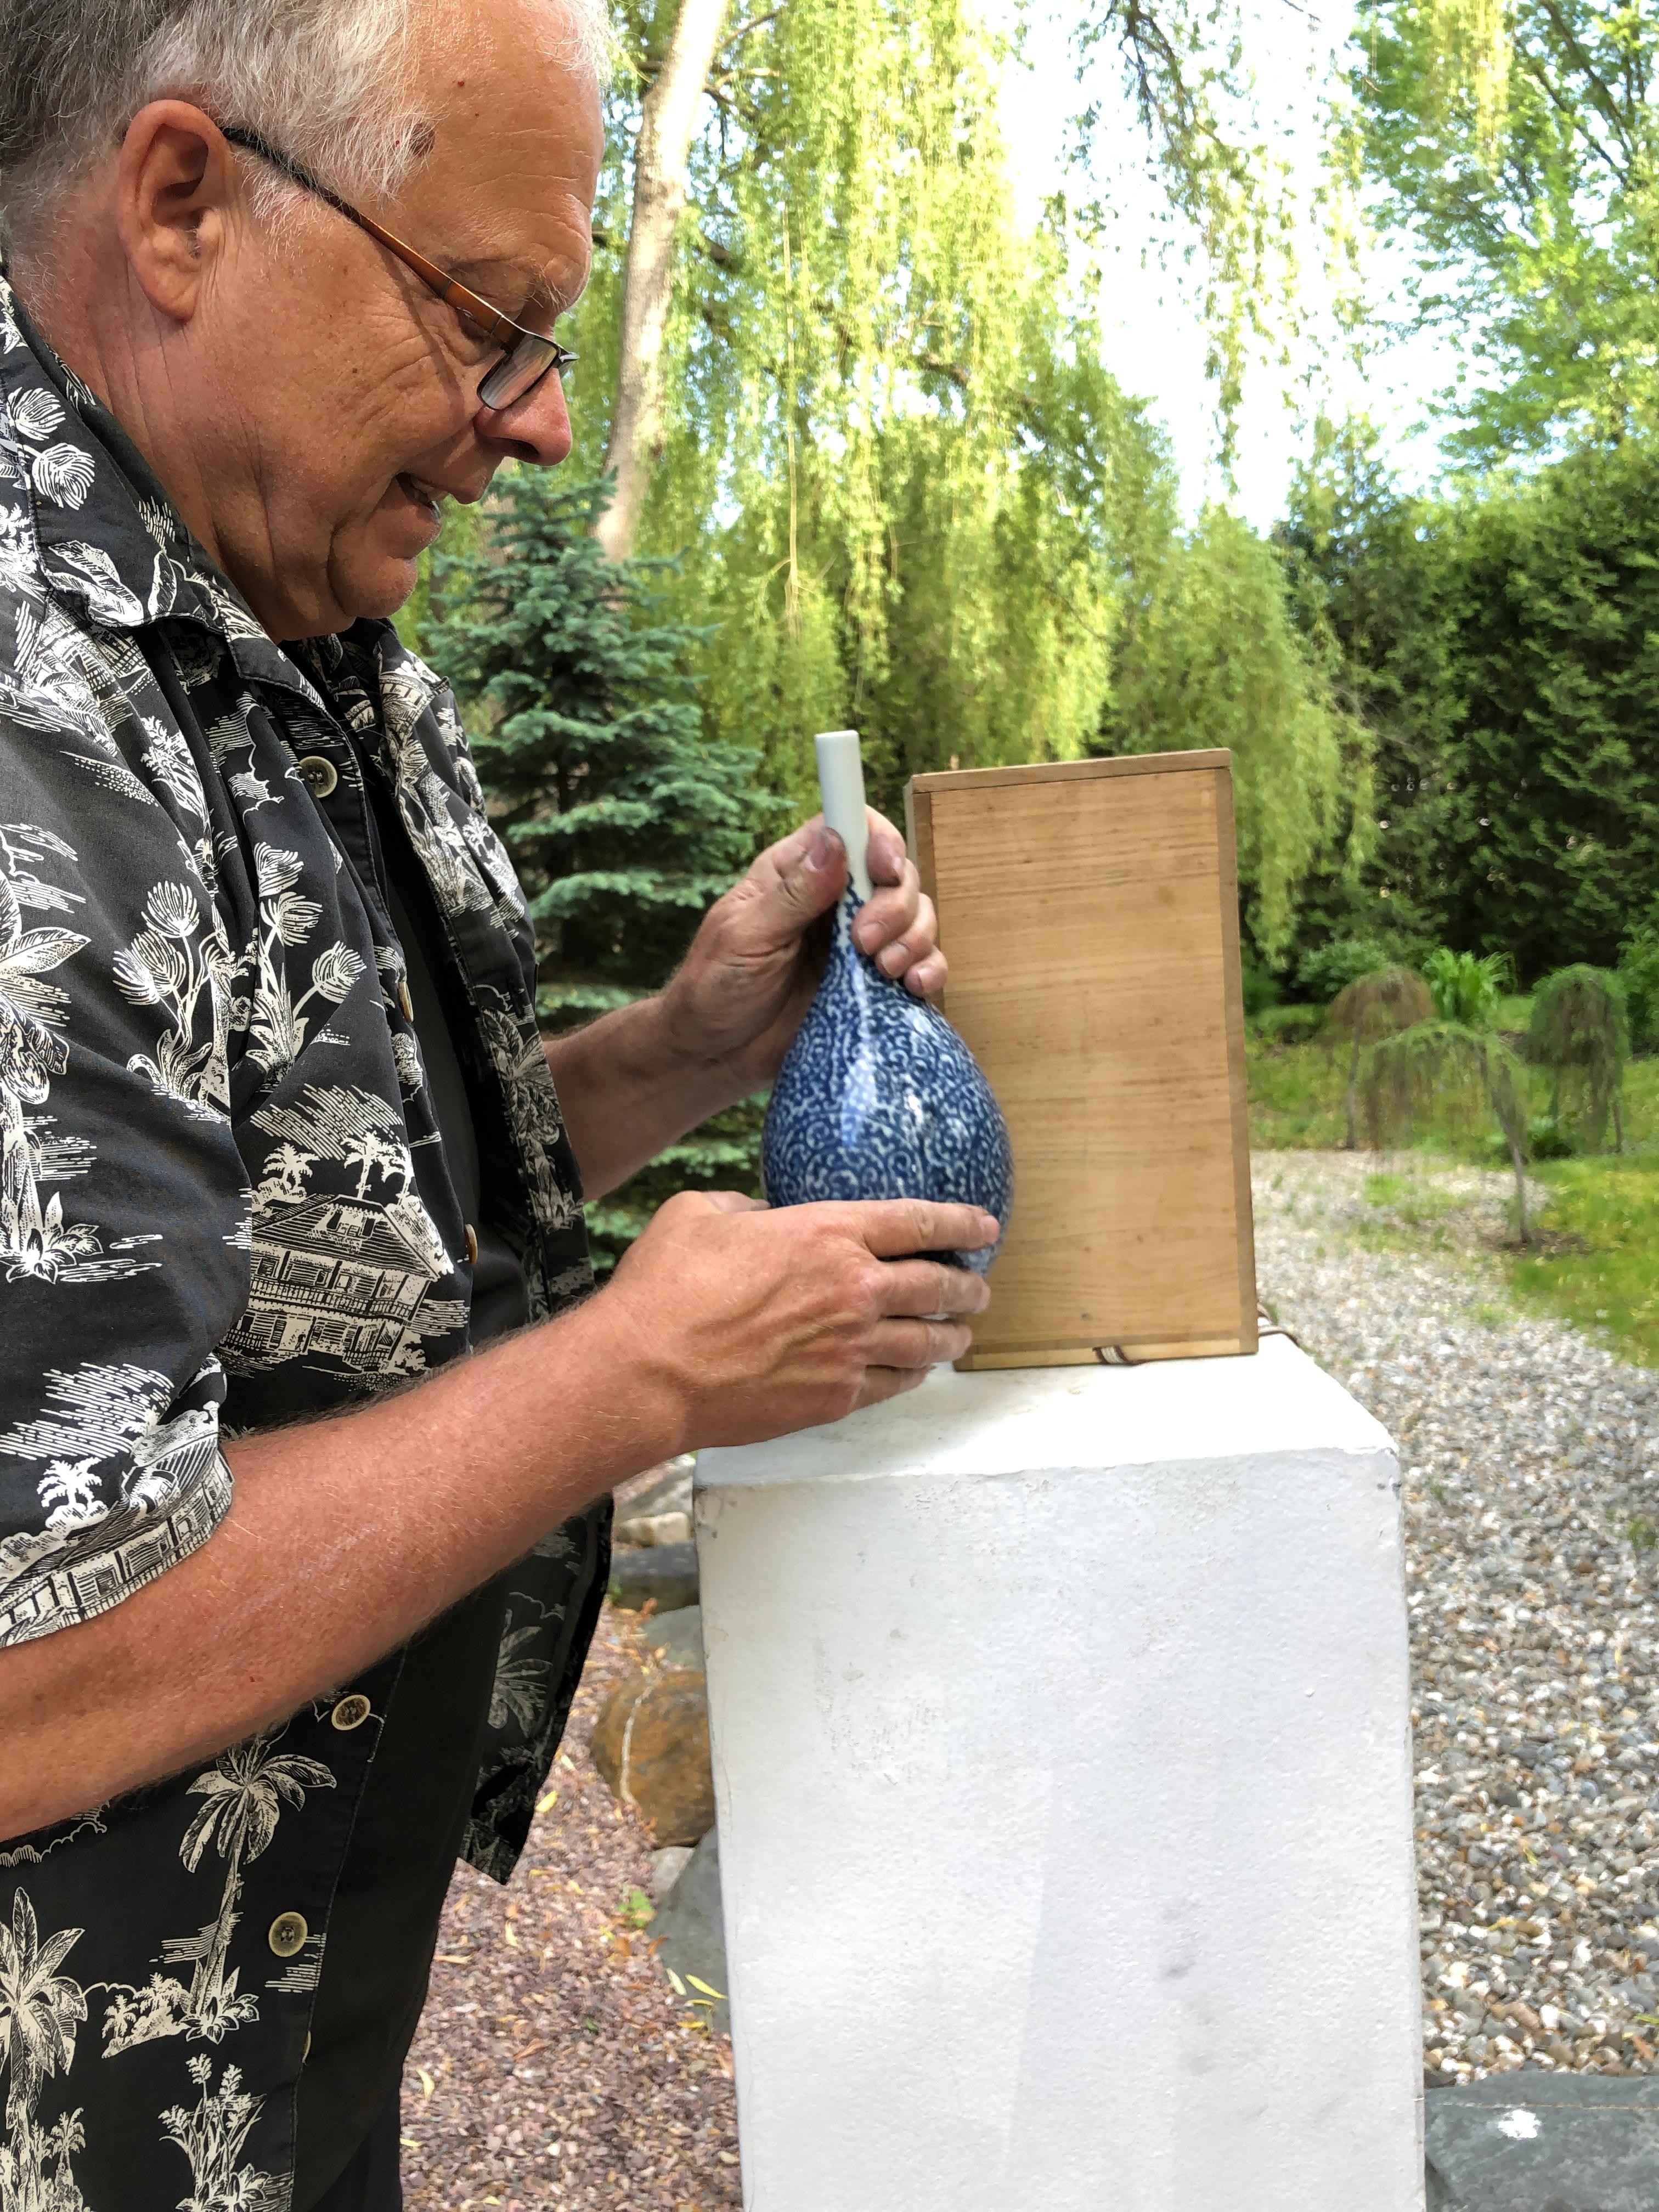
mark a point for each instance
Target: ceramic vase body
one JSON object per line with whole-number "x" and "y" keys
{"x": 879, "y": 1097}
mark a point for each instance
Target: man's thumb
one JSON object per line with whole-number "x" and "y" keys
{"x": 812, "y": 878}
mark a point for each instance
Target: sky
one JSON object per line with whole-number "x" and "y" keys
{"x": 1153, "y": 340}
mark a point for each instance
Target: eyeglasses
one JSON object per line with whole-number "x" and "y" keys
{"x": 526, "y": 357}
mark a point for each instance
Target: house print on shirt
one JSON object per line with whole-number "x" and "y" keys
{"x": 338, "y": 1277}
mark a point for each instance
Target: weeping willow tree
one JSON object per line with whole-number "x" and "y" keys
{"x": 1580, "y": 1032}
{"x": 1212, "y": 657}
{"x": 1374, "y": 1006}
{"x": 904, "y": 489}
{"x": 1517, "y": 142}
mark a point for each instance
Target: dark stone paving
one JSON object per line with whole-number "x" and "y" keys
{"x": 1532, "y": 2141}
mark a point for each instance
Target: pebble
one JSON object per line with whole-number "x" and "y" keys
{"x": 1530, "y": 1458}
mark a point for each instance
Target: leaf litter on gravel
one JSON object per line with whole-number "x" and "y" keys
{"x": 554, "y": 2065}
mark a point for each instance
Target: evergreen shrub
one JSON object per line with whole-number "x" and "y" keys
{"x": 624, "y": 821}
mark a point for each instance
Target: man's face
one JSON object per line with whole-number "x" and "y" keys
{"x": 339, "y": 394}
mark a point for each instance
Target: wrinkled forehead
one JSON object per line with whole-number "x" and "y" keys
{"x": 512, "y": 101}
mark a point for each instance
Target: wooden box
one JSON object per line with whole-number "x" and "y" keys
{"x": 1090, "y": 911}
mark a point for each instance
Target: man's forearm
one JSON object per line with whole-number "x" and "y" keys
{"x": 346, "y": 1535}
{"x": 628, "y": 1093}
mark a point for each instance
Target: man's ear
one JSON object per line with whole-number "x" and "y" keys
{"x": 176, "y": 189}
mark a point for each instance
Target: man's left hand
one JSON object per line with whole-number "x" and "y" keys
{"x": 756, "y": 962}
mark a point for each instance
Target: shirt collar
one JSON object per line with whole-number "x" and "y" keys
{"x": 112, "y": 545}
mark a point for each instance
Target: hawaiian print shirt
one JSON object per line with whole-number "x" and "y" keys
{"x": 224, "y": 1202}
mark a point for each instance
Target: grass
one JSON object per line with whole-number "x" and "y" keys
{"x": 1596, "y": 1262}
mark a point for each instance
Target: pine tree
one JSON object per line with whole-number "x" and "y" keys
{"x": 624, "y": 822}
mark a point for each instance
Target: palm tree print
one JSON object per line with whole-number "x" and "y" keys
{"x": 245, "y": 1789}
{"x": 35, "y": 1240}
{"x": 39, "y": 2012}
{"x": 31, "y": 1053}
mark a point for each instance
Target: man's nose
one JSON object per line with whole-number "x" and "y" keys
{"x": 534, "y": 429}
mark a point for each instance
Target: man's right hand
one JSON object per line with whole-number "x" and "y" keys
{"x": 726, "y": 1323}
{"x": 757, "y": 1321}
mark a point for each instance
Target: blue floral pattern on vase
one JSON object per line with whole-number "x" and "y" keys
{"x": 879, "y": 1097}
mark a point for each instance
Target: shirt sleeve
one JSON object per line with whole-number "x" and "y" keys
{"x": 124, "y": 1207}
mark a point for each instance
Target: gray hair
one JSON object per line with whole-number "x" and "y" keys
{"x": 331, "y": 81}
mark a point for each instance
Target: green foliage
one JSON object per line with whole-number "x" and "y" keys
{"x": 1295, "y": 1093}
{"x": 1444, "y": 1071}
{"x": 1214, "y": 658}
{"x": 1467, "y": 988}
{"x": 908, "y": 493}
{"x": 624, "y": 821}
{"x": 1262, "y": 987}
{"x": 1518, "y": 146}
{"x": 1599, "y": 1261}
{"x": 1379, "y": 1004}
{"x": 1638, "y": 974}
{"x": 1550, "y": 842}
{"x": 1289, "y": 1025}
{"x": 1331, "y": 967}
{"x": 1375, "y": 1004}
{"x": 1502, "y": 648}
{"x": 1367, "y": 572}
{"x": 1581, "y": 1032}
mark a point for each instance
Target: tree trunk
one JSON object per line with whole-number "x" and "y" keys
{"x": 1353, "y": 1087}
{"x": 1518, "y": 1163}
{"x": 661, "y": 160}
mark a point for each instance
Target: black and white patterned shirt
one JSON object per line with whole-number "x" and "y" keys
{"x": 224, "y": 1202}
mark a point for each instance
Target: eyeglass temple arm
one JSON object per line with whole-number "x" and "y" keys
{"x": 500, "y": 329}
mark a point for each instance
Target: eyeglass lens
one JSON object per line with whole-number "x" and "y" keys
{"x": 524, "y": 365}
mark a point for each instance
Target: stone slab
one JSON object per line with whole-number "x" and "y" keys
{"x": 1532, "y": 2141}
{"x": 667, "y": 1572}
{"x": 693, "y": 1933}
{"x": 677, "y": 1637}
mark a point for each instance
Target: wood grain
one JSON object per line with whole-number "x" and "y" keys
{"x": 1089, "y": 913}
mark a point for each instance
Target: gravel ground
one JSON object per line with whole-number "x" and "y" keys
{"x": 1531, "y": 1460}
{"x": 554, "y": 2066}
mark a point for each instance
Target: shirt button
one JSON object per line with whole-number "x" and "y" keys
{"x": 405, "y": 1004}
{"x": 471, "y": 1246}
{"x": 320, "y": 774}
{"x": 351, "y": 1712}
{"x": 288, "y": 1934}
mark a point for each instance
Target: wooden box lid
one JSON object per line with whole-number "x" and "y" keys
{"x": 1090, "y": 911}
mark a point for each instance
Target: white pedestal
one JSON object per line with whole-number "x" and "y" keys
{"x": 1061, "y": 1749}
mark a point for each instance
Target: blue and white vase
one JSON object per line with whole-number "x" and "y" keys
{"x": 879, "y": 1097}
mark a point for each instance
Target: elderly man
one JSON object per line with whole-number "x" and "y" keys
{"x": 278, "y": 1131}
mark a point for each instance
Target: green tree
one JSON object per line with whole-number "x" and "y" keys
{"x": 1367, "y": 568}
{"x": 1550, "y": 840}
{"x": 1639, "y": 976}
{"x": 1497, "y": 645}
{"x": 1519, "y": 146}
{"x": 1213, "y": 657}
{"x": 906, "y": 492}
{"x": 625, "y": 820}
{"x": 1448, "y": 1072}
{"x": 1580, "y": 1032}
{"x": 1371, "y": 1007}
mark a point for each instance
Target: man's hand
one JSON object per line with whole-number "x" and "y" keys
{"x": 751, "y": 972}
{"x": 754, "y": 1323}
